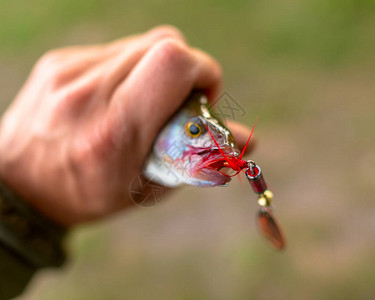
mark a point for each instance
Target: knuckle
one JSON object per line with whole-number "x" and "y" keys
{"x": 164, "y": 31}
{"x": 50, "y": 58}
{"x": 171, "y": 53}
{"x": 51, "y": 68}
{"x": 56, "y": 68}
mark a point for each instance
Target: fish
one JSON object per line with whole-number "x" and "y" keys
{"x": 196, "y": 148}
{"x": 193, "y": 148}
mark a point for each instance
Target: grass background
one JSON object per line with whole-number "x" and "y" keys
{"x": 307, "y": 69}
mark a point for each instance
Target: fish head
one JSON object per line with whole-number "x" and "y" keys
{"x": 193, "y": 148}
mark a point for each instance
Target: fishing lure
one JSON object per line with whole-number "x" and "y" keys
{"x": 196, "y": 148}
{"x": 266, "y": 221}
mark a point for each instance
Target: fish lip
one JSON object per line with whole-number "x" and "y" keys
{"x": 211, "y": 161}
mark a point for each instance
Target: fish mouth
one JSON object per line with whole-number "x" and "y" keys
{"x": 211, "y": 167}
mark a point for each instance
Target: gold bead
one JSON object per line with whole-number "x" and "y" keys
{"x": 268, "y": 195}
{"x": 262, "y": 201}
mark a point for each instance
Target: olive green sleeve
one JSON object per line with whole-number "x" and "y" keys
{"x": 28, "y": 242}
{"x": 15, "y": 273}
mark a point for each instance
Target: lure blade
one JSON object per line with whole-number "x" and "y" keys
{"x": 270, "y": 228}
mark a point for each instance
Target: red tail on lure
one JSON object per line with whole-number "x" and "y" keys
{"x": 266, "y": 221}
{"x": 236, "y": 163}
{"x": 248, "y": 140}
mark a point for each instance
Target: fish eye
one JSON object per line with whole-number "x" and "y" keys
{"x": 193, "y": 129}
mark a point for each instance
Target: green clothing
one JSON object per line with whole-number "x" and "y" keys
{"x": 28, "y": 242}
{"x": 15, "y": 273}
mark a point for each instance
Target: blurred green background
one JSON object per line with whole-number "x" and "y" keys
{"x": 307, "y": 70}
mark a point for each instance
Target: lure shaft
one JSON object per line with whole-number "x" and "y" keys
{"x": 256, "y": 179}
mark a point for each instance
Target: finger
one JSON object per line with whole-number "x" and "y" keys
{"x": 161, "y": 31}
{"x": 212, "y": 87}
{"x": 110, "y": 61}
{"x": 241, "y": 134}
{"x": 160, "y": 83}
{"x": 73, "y": 60}
{"x": 127, "y": 52}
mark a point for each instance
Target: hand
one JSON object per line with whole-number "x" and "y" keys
{"x": 81, "y": 127}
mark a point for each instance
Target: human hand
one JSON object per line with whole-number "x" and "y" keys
{"x": 81, "y": 127}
